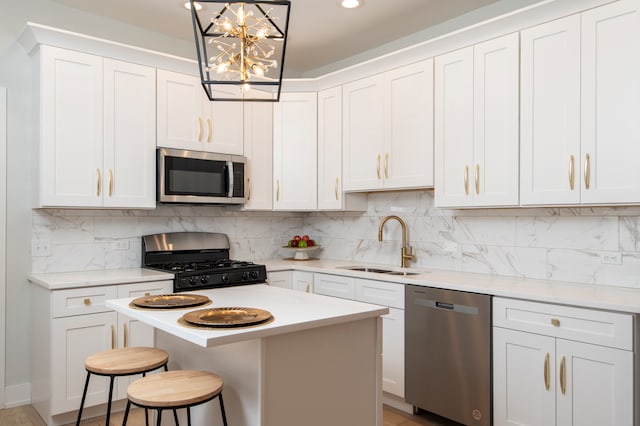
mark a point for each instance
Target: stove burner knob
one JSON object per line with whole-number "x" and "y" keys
{"x": 224, "y": 278}
{"x": 254, "y": 274}
{"x": 244, "y": 275}
{"x": 204, "y": 279}
{"x": 193, "y": 280}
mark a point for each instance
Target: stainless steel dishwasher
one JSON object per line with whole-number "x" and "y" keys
{"x": 448, "y": 353}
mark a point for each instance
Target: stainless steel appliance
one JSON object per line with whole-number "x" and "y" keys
{"x": 448, "y": 353}
{"x": 197, "y": 177}
{"x": 199, "y": 260}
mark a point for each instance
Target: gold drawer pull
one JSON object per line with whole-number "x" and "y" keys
{"x": 110, "y": 183}
{"x": 378, "y": 167}
{"x": 547, "y": 378}
{"x": 87, "y": 301}
{"x": 113, "y": 337}
{"x": 386, "y": 165}
{"x": 199, "y": 129}
{"x": 587, "y": 171}
{"x": 466, "y": 179}
{"x": 571, "y": 172}
{"x": 337, "y": 185}
{"x": 278, "y": 190}
{"x": 208, "y": 130}
{"x": 555, "y": 322}
{"x": 124, "y": 334}
{"x": 99, "y": 183}
{"x": 477, "y": 178}
{"x": 147, "y": 293}
{"x": 563, "y": 375}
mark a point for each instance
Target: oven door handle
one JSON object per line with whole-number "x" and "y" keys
{"x": 229, "y": 179}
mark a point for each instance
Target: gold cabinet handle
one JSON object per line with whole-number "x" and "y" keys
{"x": 477, "y": 178}
{"x": 563, "y": 375}
{"x": 571, "y": 172}
{"x": 208, "y": 130}
{"x": 248, "y": 189}
{"x": 308, "y": 289}
{"x": 199, "y": 129}
{"x": 547, "y": 374}
{"x": 466, "y": 179}
{"x": 555, "y": 322}
{"x": 113, "y": 337}
{"x": 87, "y": 302}
{"x": 386, "y": 165}
{"x": 124, "y": 334}
{"x": 147, "y": 293}
{"x": 99, "y": 180}
{"x": 278, "y": 190}
{"x": 378, "y": 167}
{"x": 110, "y": 182}
{"x": 587, "y": 171}
{"x": 336, "y": 190}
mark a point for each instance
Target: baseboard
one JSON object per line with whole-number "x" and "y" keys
{"x": 17, "y": 395}
{"x": 397, "y": 403}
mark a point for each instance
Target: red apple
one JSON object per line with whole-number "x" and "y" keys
{"x": 305, "y": 237}
{"x": 294, "y": 243}
{"x": 311, "y": 243}
{"x": 297, "y": 238}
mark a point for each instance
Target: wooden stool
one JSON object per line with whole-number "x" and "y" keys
{"x": 121, "y": 362}
{"x": 173, "y": 390}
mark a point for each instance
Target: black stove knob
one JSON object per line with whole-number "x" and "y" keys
{"x": 193, "y": 280}
{"x": 204, "y": 279}
{"x": 224, "y": 278}
{"x": 254, "y": 274}
{"x": 244, "y": 275}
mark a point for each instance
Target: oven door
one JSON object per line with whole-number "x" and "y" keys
{"x": 199, "y": 177}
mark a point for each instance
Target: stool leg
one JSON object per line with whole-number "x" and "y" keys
{"x": 175, "y": 416}
{"x": 224, "y": 416}
{"x": 111, "y": 379}
{"x": 126, "y": 413}
{"x": 159, "y": 421}
{"x": 84, "y": 395}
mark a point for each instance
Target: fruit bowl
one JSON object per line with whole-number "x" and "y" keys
{"x": 300, "y": 253}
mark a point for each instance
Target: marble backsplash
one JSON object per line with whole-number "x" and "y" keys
{"x": 555, "y": 243}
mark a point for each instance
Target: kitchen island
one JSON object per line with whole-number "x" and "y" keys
{"x": 317, "y": 362}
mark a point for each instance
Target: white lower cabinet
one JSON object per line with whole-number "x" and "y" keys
{"x": 71, "y": 324}
{"x": 303, "y": 281}
{"x": 295, "y": 280}
{"x": 557, "y": 365}
{"x": 379, "y": 293}
{"x": 282, "y": 279}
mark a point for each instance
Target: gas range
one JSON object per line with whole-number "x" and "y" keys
{"x": 198, "y": 260}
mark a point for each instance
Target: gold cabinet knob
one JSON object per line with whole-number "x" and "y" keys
{"x": 87, "y": 301}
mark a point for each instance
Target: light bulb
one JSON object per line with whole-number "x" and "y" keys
{"x": 187, "y": 5}
{"x": 350, "y": 4}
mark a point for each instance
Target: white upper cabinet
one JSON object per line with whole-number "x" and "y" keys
{"x": 330, "y": 194}
{"x": 97, "y": 135}
{"x": 295, "y": 152}
{"x": 610, "y": 104}
{"x": 388, "y": 130}
{"x": 580, "y": 103}
{"x": 258, "y": 148}
{"x": 476, "y": 125}
{"x": 188, "y": 120}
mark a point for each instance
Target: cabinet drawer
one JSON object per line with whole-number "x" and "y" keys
{"x": 334, "y": 285}
{"x": 380, "y": 293}
{"x": 585, "y": 325}
{"x": 80, "y": 301}
{"x": 145, "y": 289}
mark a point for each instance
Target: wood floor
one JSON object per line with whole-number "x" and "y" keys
{"x": 27, "y": 416}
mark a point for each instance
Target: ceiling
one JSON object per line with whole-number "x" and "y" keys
{"x": 321, "y": 32}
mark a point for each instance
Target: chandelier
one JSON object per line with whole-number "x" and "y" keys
{"x": 240, "y": 47}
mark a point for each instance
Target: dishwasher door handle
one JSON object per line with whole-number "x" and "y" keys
{"x": 453, "y": 307}
{"x": 443, "y": 305}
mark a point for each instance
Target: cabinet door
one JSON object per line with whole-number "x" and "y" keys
{"x": 179, "y": 111}
{"x": 408, "y": 154}
{"x": 550, "y": 113}
{"x": 393, "y": 352}
{"x": 363, "y": 134}
{"x": 334, "y": 285}
{"x": 330, "y": 195}
{"x": 129, "y": 135}
{"x": 223, "y": 124}
{"x": 303, "y": 281}
{"x": 496, "y": 122}
{"x": 258, "y": 148}
{"x": 74, "y": 339}
{"x": 524, "y": 379}
{"x": 595, "y": 385}
{"x": 295, "y": 152}
{"x": 610, "y": 104}
{"x": 453, "y": 128}
{"x": 71, "y": 102}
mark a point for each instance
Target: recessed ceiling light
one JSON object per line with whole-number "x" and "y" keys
{"x": 187, "y": 5}
{"x": 351, "y": 4}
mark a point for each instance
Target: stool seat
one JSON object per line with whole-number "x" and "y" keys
{"x": 175, "y": 389}
{"x": 126, "y": 361}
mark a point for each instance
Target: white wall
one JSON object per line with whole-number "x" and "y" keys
{"x": 3, "y": 229}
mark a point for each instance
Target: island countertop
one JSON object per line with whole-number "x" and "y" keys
{"x": 291, "y": 310}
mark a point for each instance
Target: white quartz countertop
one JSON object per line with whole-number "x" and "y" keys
{"x": 593, "y": 296}
{"x": 291, "y": 310}
{"x": 64, "y": 280}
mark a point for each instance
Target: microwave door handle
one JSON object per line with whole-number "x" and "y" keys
{"x": 230, "y": 179}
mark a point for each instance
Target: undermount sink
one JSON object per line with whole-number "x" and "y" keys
{"x": 379, "y": 270}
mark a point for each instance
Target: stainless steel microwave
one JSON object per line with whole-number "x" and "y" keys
{"x": 196, "y": 177}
